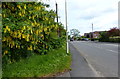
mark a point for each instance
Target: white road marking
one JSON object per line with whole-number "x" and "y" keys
{"x": 111, "y": 44}
{"x": 100, "y": 47}
{"x": 103, "y": 48}
{"x": 113, "y": 51}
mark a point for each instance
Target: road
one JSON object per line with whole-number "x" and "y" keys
{"x": 103, "y": 57}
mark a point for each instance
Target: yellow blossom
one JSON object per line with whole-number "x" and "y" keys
{"x": 45, "y": 29}
{"x": 27, "y": 37}
{"x": 25, "y": 6}
{"x": 46, "y": 46}
{"x": 9, "y": 29}
{"x": 6, "y": 27}
{"x": 37, "y": 32}
{"x": 4, "y": 15}
{"x": 5, "y": 30}
{"x": 23, "y": 11}
{"x": 19, "y": 6}
{"x": 12, "y": 8}
{"x": 29, "y": 48}
{"x": 4, "y": 39}
{"x": 18, "y": 47}
{"x": 32, "y": 24}
{"x": 29, "y": 17}
{"x": 23, "y": 36}
{"x": 23, "y": 28}
{"x": 5, "y": 52}
{"x": 20, "y": 14}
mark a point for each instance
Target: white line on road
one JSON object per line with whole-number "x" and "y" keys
{"x": 111, "y": 44}
{"x": 100, "y": 47}
{"x": 97, "y": 73}
{"x": 113, "y": 51}
{"x": 107, "y": 49}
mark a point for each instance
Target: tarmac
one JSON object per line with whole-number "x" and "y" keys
{"x": 79, "y": 66}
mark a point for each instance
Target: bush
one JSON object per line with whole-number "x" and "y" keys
{"x": 104, "y": 37}
{"x": 79, "y": 38}
{"x": 57, "y": 43}
{"x": 115, "y": 40}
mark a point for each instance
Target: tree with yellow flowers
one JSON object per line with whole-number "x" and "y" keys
{"x": 28, "y": 28}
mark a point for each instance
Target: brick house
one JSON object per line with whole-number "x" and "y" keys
{"x": 95, "y": 34}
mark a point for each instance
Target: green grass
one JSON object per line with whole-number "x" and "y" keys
{"x": 0, "y": 73}
{"x": 40, "y": 65}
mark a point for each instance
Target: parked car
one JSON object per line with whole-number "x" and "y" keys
{"x": 85, "y": 39}
{"x": 71, "y": 39}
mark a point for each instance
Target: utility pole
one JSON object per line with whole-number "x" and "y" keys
{"x": 92, "y": 31}
{"x": 58, "y": 30}
{"x": 67, "y": 48}
{"x": 57, "y": 11}
{"x": 92, "y": 27}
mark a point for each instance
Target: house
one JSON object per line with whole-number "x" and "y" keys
{"x": 95, "y": 34}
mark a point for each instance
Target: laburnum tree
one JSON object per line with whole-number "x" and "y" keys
{"x": 27, "y": 28}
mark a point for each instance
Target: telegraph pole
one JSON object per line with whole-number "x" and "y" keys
{"x": 67, "y": 48}
{"x": 92, "y": 30}
{"x": 92, "y": 27}
{"x": 56, "y": 10}
{"x": 58, "y": 30}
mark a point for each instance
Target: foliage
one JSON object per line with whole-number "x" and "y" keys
{"x": 27, "y": 28}
{"x": 114, "y": 32}
{"x": 74, "y": 32}
{"x": 104, "y": 37}
{"x": 115, "y": 40}
{"x": 57, "y": 43}
{"x": 108, "y": 35}
{"x": 96, "y": 38}
{"x": 79, "y": 38}
{"x": 83, "y": 37}
{"x": 69, "y": 37}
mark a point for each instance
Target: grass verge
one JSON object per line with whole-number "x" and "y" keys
{"x": 40, "y": 65}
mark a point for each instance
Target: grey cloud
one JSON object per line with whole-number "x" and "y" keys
{"x": 109, "y": 10}
{"x": 86, "y": 17}
{"x": 89, "y": 16}
{"x": 94, "y": 14}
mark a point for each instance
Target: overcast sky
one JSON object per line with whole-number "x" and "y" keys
{"x": 82, "y": 13}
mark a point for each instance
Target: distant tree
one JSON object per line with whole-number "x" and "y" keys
{"x": 83, "y": 36}
{"x": 74, "y": 32}
{"x": 104, "y": 36}
{"x": 68, "y": 36}
{"x": 114, "y": 32}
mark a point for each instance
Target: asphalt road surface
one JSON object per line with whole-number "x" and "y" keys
{"x": 103, "y": 57}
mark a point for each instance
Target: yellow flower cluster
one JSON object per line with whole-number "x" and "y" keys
{"x": 38, "y": 8}
{"x": 5, "y": 52}
{"x": 24, "y": 6}
{"x": 22, "y": 13}
{"x": 29, "y": 32}
{"x": 6, "y": 29}
{"x": 4, "y": 15}
{"x": 30, "y": 48}
{"x": 19, "y": 6}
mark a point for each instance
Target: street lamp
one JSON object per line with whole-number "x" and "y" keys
{"x": 67, "y": 47}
